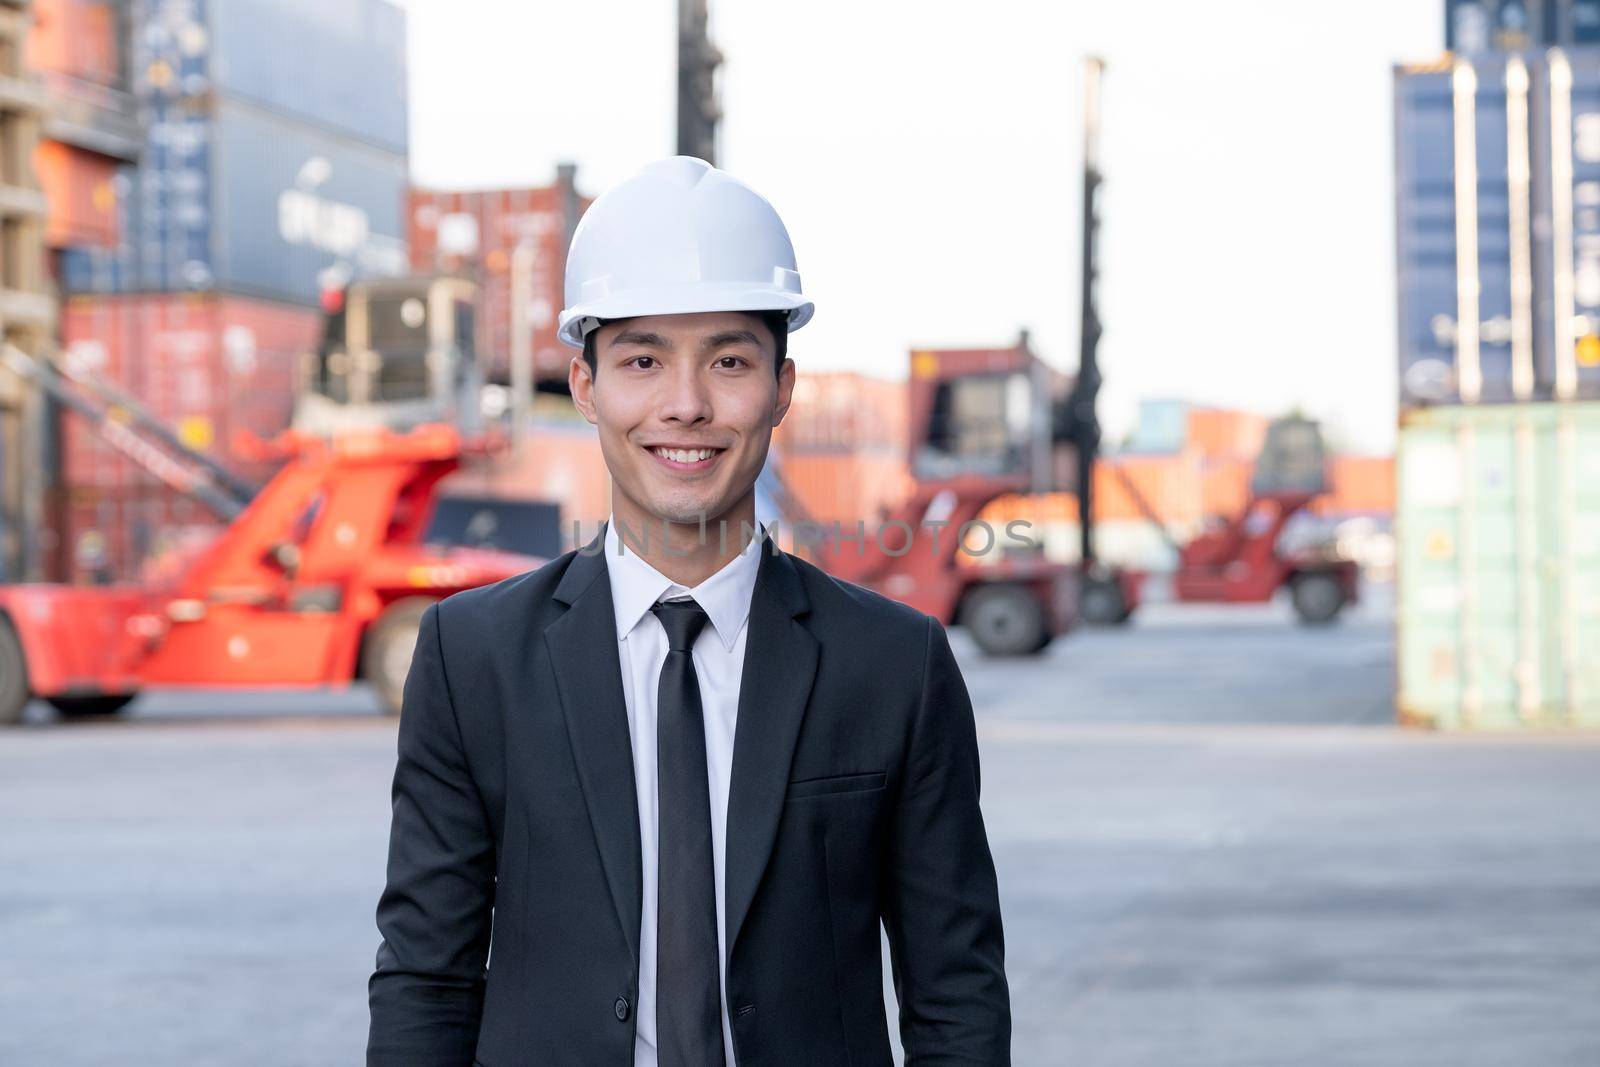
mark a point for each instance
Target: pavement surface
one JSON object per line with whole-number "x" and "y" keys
{"x": 1213, "y": 848}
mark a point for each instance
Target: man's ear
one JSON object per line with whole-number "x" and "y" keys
{"x": 786, "y": 375}
{"x": 580, "y": 382}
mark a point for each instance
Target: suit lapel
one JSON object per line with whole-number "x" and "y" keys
{"x": 780, "y": 662}
{"x": 588, "y": 673}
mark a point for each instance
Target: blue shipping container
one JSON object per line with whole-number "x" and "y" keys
{"x": 231, "y": 195}
{"x": 341, "y": 65}
{"x": 244, "y": 201}
{"x": 1478, "y": 26}
{"x": 336, "y": 64}
{"x": 1498, "y": 228}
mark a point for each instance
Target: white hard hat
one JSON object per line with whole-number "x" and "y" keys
{"x": 678, "y": 237}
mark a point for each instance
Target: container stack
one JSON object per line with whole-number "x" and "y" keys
{"x": 26, "y": 311}
{"x": 841, "y": 447}
{"x": 477, "y": 232}
{"x": 271, "y": 164}
{"x": 1498, "y": 525}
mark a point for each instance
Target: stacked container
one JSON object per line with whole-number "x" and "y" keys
{"x": 841, "y": 448}
{"x": 1498, "y": 524}
{"x": 271, "y": 163}
{"x": 477, "y": 233}
{"x": 274, "y": 150}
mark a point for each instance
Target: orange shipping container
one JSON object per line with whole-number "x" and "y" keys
{"x": 1226, "y": 434}
{"x": 1361, "y": 484}
{"x": 80, "y": 188}
{"x": 844, "y": 412}
{"x": 75, "y": 38}
{"x": 845, "y": 487}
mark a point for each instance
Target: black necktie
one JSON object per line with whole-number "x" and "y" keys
{"x": 688, "y": 998}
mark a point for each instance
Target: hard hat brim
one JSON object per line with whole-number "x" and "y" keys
{"x": 685, "y": 300}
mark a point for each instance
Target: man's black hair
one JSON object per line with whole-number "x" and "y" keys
{"x": 777, "y": 322}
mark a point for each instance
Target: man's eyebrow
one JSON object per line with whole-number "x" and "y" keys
{"x": 640, "y": 337}
{"x": 731, "y": 337}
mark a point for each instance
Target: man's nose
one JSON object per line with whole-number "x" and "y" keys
{"x": 685, "y": 398}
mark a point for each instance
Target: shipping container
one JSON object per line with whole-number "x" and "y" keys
{"x": 82, "y": 190}
{"x": 1498, "y": 552}
{"x": 239, "y": 200}
{"x": 1162, "y": 427}
{"x": 120, "y": 534}
{"x": 77, "y": 39}
{"x": 1359, "y": 485}
{"x": 1223, "y": 433}
{"x": 844, "y": 411}
{"x": 1476, "y": 26}
{"x": 477, "y": 233}
{"x": 208, "y": 367}
{"x": 844, "y": 487}
{"x": 561, "y": 463}
{"x": 339, "y": 67}
{"x": 1498, "y": 228}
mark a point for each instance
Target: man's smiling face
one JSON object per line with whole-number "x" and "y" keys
{"x": 685, "y": 405}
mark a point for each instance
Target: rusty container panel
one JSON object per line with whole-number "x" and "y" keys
{"x": 81, "y": 189}
{"x": 475, "y": 233}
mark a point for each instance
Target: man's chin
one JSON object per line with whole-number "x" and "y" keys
{"x": 693, "y": 513}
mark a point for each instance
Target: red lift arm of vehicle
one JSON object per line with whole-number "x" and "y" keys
{"x": 318, "y": 579}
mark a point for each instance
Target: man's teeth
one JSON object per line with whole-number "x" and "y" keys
{"x": 686, "y": 455}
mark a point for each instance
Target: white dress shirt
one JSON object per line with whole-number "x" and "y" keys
{"x": 718, "y": 656}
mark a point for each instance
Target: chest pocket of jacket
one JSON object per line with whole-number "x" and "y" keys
{"x": 836, "y": 785}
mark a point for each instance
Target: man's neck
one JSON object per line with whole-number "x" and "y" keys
{"x": 688, "y": 553}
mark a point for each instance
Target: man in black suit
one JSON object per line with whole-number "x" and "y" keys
{"x": 678, "y": 778}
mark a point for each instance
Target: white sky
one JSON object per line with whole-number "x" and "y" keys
{"x": 925, "y": 155}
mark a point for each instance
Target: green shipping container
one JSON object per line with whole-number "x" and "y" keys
{"x": 1498, "y": 531}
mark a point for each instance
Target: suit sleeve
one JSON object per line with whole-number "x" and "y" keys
{"x": 426, "y": 995}
{"x": 942, "y": 906}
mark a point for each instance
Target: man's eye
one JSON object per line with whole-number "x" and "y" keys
{"x": 643, "y": 362}
{"x": 730, "y": 362}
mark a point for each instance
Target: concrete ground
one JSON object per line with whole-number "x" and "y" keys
{"x": 1213, "y": 849}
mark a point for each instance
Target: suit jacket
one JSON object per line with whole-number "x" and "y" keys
{"x": 853, "y": 800}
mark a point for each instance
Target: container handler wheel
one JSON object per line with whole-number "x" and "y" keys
{"x": 1005, "y": 620}
{"x": 1318, "y": 597}
{"x": 99, "y": 704}
{"x": 1101, "y": 602}
{"x": 391, "y": 641}
{"x": 13, "y": 675}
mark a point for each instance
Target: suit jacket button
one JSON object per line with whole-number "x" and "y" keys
{"x": 621, "y": 1008}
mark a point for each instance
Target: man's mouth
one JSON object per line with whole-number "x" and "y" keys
{"x": 685, "y": 459}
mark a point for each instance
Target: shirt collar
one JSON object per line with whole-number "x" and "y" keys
{"x": 725, "y": 596}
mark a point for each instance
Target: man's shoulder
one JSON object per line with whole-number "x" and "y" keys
{"x": 843, "y": 607}
{"x": 521, "y": 597}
